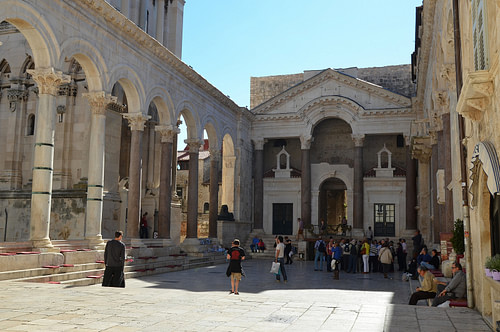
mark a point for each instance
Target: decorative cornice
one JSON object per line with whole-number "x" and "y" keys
{"x": 323, "y": 76}
{"x": 48, "y": 80}
{"x": 17, "y": 95}
{"x": 121, "y": 23}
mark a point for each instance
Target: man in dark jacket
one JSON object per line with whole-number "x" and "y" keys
{"x": 456, "y": 289}
{"x": 235, "y": 255}
{"x": 114, "y": 259}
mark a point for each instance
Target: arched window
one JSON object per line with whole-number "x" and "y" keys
{"x": 30, "y": 129}
{"x": 206, "y": 207}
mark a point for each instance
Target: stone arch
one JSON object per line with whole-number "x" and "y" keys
{"x": 228, "y": 172}
{"x": 331, "y": 107}
{"x": 164, "y": 105}
{"x": 36, "y": 29}
{"x": 211, "y": 128}
{"x": 89, "y": 58}
{"x": 132, "y": 85}
{"x": 187, "y": 111}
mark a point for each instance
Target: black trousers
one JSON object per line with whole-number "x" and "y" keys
{"x": 420, "y": 295}
{"x": 113, "y": 277}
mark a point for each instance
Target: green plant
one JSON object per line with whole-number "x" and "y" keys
{"x": 457, "y": 241}
{"x": 493, "y": 263}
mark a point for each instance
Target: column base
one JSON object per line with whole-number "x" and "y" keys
{"x": 42, "y": 244}
{"x": 96, "y": 242}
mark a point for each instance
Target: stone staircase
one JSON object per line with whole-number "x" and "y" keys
{"x": 79, "y": 267}
{"x": 268, "y": 254}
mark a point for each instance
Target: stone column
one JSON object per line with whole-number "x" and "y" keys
{"x": 192, "y": 208}
{"x": 151, "y": 156}
{"x": 164, "y": 213}
{"x": 305, "y": 183}
{"x": 214, "y": 193}
{"x": 136, "y": 124}
{"x": 448, "y": 175}
{"x": 423, "y": 151}
{"x": 93, "y": 219}
{"x": 160, "y": 20}
{"x": 48, "y": 81}
{"x": 258, "y": 186}
{"x": 411, "y": 191}
{"x": 358, "y": 207}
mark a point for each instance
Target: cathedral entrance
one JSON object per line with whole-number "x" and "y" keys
{"x": 283, "y": 218}
{"x": 332, "y": 201}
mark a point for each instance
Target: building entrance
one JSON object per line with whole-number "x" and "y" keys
{"x": 332, "y": 201}
{"x": 283, "y": 218}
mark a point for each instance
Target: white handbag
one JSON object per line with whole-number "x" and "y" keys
{"x": 275, "y": 268}
{"x": 333, "y": 263}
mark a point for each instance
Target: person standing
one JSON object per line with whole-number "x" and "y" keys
{"x": 114, "y": 259}
{"x": 288, "y": 250}
{"x": 329, "y": 247}
{"x": 365, "y": 255}
{"x": 353, "y": 257}
{"x": 369, "y": 234}
{"x": 336, "y": 255}
{"x": 386, "y": 258}
{"x": 418, "y": 243}
{"x": 279, "y": 257}
{"x": 373, "y": 259}
{"x": 300, "y": 231}
{"x": 143, "y": 231}
{"x": 319, "y": 254}
{"x": 235, "y": 254}
{"x": 428, "y": 289}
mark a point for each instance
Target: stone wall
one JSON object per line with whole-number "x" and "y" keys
{"x": 266, "y": 87}
{"x": 393, "y": 78}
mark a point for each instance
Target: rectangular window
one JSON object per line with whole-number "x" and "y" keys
{"x": 384, "y": 219}
{"x": 480, "y": 35}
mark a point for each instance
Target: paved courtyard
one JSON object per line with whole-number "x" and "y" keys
{"x": 199, "y": 300}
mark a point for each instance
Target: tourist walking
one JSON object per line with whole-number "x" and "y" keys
{"x": 114, "y": 259}
{"x": 235, "y": 255}
{"x": 319, "y": 254}
{"x": 279, "y": 257}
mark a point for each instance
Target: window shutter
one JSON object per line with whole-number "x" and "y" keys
{"x": 479, "y": 35}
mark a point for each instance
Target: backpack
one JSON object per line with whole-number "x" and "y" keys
{"x": 354, "y": 250}
{"x": 321, "y": 247}
{"x": 347, "y": 247}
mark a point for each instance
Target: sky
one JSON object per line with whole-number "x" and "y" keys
{"x": 229, "y": 41}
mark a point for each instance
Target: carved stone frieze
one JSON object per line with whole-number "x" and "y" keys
{"x": 69, "y": 90}
{"x": 48, "y": 80}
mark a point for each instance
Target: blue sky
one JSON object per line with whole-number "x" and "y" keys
{"x": 228, "y": 41}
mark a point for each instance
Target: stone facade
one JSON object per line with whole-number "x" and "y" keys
{"x": 455, "y": 138}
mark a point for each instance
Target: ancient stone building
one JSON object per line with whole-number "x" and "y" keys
{"x": 455, "y": 136}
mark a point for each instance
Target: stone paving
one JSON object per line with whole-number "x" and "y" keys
{"x": 199, "y": 300}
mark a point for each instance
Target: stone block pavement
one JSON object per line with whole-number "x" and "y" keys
{"x": 199, "y": 300}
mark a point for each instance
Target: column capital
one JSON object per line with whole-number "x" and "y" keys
{"x": 305, "y": 141}
{"x": 136, "y": 121}
{"x": 98, "y": 100}
{"x": 422, "y": 149}
{"x": 48, "y": 80}
{"x": 194, "y": 144}
{"x": 167, "y": 133}
{"x": 358, "y": 139}
{"x": 259, "y": 143}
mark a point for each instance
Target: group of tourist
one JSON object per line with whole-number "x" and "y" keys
{"x": 364, "y": 256}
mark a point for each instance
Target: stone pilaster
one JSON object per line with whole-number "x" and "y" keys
{"x": 422, "y": 151}
{"x": 358, "y": 181}
{"x": 192, "y": 208}
{"x": 150, "y": 184}
{"x": 98, "y": 102}
{"x": 136, "y": 124}
{"x": 214, "y": 192}
{"x": 258, "y": 185}
{"x": 411, "y": 191}
{"x": 48, "y": 81}
{"x": 305, "y": 183}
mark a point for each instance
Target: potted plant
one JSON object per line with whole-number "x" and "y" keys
{"x": 495, "y": 267}
{"x": 457, "y": 241}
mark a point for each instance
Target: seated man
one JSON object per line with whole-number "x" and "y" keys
{"x": 427, "y": 290}
{"x": 433, "y": 263}
{"x": 255, "y": 243}
{"x": 456, "y": 289}
{"x": 423, "y": 257}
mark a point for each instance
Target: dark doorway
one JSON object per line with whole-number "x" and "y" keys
{"x": 283, "y": 218}
{"x": 495, "y": 224}
{"x": 384, "y": 219}
{"x": 332, "y": 201}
